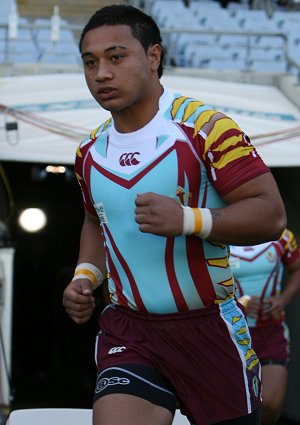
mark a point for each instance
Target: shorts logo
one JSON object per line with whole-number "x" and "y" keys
{"x": 114, "y": 350}
{"x": 101, "y": 212}
{"x": 127, "y": 159}
{"x": 114, "y": 380}
{"x": 255, "y": 385}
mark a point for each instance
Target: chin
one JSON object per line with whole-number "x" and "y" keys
{"x": 111, "y": 106}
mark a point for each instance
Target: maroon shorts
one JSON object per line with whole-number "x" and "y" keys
{"x": 204, "y": 354}
{"x": 271, "y": 343}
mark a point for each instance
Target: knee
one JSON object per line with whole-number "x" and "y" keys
{"x": 270, "y": 412}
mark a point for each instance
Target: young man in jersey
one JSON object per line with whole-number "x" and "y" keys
{"x": 167, "y": 183}
{"x": 258, "y": 272}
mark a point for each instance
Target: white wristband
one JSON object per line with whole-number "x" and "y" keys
{"x": 89, "y": 271}
{"x": 197, "y": 222}
{"x": 244, "y": 299}
{"x": 207, "y": 223}
{"x": 188, "y": 221}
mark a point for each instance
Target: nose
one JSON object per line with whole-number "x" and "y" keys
{"x": 103, "y": 72}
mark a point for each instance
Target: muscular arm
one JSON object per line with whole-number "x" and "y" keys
{"x": 78, "y": 297}
{"x": 254, "y": 214}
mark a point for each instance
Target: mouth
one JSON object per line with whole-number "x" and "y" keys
{"x": 105, "y": 93}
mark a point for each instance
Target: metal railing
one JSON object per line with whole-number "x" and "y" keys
{"x": 66, "y": 50}
{"x": 174, "y": 56}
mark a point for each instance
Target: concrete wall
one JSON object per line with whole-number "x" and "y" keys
{"x": 72, "y": 10}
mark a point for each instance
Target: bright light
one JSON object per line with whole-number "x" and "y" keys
{"x": 56, "y": 169}
{"x": 32, "y": 219}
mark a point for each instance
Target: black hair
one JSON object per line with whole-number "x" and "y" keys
{"x": 143, "y": 27}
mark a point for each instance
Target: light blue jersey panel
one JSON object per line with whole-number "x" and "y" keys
{"x": 141, "y": 251}
{"x": 257, "y": 271}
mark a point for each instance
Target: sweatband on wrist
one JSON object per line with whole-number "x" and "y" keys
{"x": 244, "y": 299}
{"x": 197, "y": 222}
{"x": 89, "y": 271}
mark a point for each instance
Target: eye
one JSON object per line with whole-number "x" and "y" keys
{"x": 89, "y": 62}
{"x": 116, "y": 58}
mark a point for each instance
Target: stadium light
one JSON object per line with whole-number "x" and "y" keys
{"x": 32, "y": 220}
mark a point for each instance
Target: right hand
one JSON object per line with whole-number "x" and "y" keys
{"x": 78, "y": 300}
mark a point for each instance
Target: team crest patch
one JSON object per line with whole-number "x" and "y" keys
{"x": 271, "y": 257}
{"x": 101, "y": 212}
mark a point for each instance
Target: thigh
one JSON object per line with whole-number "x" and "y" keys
{"x": 217, "y": 374}
{"x": 271, "y": 343}
{"x": 274, "y": 382}
{"x": 114, "y": 409}
{"x": 136, "y": 380}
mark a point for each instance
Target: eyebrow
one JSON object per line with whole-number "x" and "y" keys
{"x": 106, "y": 50}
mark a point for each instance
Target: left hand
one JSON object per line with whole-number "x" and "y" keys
{"x": 158, "y": 214}
{"x": 78, "y": 300}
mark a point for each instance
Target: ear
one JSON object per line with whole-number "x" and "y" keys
{"x": 154, "y": 55}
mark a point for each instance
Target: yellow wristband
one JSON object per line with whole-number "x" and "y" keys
{"x": 90, "y": 275}
{"x": 197, "y": 222}
{"x": 89, "y": 271}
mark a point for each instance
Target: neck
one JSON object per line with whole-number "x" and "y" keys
{"x": 140, "y": 114}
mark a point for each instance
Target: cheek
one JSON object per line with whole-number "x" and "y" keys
{"x": 89, "y": 81}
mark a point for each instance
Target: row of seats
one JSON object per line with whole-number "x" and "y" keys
{"x": 198, "y": 35}
{"x": 33, "y": 43}
{"x": 201, "y": 35}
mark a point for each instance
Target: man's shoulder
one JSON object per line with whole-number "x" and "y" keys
{"x": 102, "y": 128}
{"x": 86, "y": 143}
{"x": 187, "y": 109}
{"x": 93, "y": 136}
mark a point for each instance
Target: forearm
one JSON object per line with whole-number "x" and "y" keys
{"x": 249, "y": 222}
{"x": 92, "y": 244}
{"x": 254, "y": 214}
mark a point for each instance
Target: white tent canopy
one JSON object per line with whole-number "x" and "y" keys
{"x": 54, "y": 112}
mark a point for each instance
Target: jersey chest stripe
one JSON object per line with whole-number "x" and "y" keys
{"x": 175, "y": 288}
{"x": 199, "y": 271}
{"x": 134, "y": 288}
{"x": 128, "y": 184}
{"x": 188, "y": 161}
{"x": 272, "y": 276}
{"x": 117, "y": 281}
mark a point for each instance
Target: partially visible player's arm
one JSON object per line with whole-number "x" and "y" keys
{"x": 78, "y": 297}
{"x": 254, "y": 214}
{"x": 277, "y": 304}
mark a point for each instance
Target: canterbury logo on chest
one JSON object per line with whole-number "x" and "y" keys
{"x": 128, "y": 159}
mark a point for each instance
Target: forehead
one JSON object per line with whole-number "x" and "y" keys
{"x": 106, "y": 36}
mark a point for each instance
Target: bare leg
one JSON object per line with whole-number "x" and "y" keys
{"x": 125, "y": 409}
{"x": 274, "y": 382}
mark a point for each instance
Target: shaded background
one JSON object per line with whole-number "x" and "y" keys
{"x": 53, "y": 358}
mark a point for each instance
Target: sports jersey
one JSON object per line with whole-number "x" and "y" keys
{"x": 258, "y": 269}
{"x": 188, "y": 152}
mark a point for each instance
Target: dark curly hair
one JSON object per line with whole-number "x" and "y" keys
{"x": 143, "y": 27}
